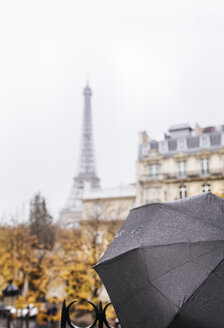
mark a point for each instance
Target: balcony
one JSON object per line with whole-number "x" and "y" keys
{"x": 219, "y": 173}
{"x": 194, "y": 174}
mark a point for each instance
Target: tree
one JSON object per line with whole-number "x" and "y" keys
{"x": 41, "y": 222}
{"x": 76, "y": 252}
{"x": 97, "y": 234}
{"x": 15, "y": 255}
{"x": 71, "y": 263}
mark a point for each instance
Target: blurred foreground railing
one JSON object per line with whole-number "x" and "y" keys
{"x": 23, "y": 318}
{"x": 99, "y": 321}
{"x": 9, "y": 321}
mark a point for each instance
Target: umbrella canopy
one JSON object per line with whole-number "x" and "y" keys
{"x": 165, "y": 267}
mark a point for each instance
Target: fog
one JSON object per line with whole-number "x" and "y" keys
{"x": 151, "y": 64}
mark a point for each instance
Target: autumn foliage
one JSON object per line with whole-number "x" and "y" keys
{"x": 57, "y": 263}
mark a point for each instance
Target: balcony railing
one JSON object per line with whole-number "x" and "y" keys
{"x": 185, "y": 175}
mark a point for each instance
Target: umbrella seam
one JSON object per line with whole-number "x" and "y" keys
{"x": 151, "y": 283}
{"x": 189, "y": 260}
{"x": 194, "y": 217}
{"x": 155, "y": 245}
{"x": 171, "y": 270}
{"x": 165, "y": 295}
{"x": 203, "y": 255}
{"x": 186, "y": 313}
{"x": 135, "y": 292}
{"x": 220, "y": 280}
{"x": 212, "y": 272}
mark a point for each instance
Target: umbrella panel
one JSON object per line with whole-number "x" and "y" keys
{"x": 182, "y": 272}
{"x": 158, "y": 265}
{"x": 206, "y": 306}
{"x": 149, "y": 285}
{"x": 161, "y": 224}
{"x": 135, "y": 311}
{"x": 205, "y": 207}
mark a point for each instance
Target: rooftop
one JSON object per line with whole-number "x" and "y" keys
{"x": 182, "y": 138}
{"x": 178, "y": 127}
{"x": 119, "y": 191}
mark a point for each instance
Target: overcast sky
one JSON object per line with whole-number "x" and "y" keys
{"x": 151, "y": 64}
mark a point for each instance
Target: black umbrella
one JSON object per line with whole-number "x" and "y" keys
{"x": 165, "y": 267}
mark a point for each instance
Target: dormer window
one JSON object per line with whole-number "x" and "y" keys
{"x": 163, "y": 147}
{"x": 204, "y": 141}
{"x": 182, "y": 144}
{"x": 222, "y": 139}
{"x": 145, "y": 148}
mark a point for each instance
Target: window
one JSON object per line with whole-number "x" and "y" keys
{"x": 182, "y": 169}
{"x": 204, "y": 166}
{"x": 97, "y": 211}
{"x": 205, "y": 141}
{"x": 183, "y": 191}
{"x": 98, "y": 236}
{"x": 222, "y": 139}
{"x": 206, "y": 188}
{"x": 163, "y": 147}
{"x": 145, "y": 148}
{"x": 153, "y": 195}
{"x": 182, "y": 144}
{"x": 154, "y": 170}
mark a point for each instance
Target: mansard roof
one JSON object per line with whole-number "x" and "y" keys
{"x": 212, "y": 139}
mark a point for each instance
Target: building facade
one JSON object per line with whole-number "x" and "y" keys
{"x": 108, "y": 204}
{"x": 185, "y": 163}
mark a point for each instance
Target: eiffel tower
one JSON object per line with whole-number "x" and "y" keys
{"x": 86, "y": 167}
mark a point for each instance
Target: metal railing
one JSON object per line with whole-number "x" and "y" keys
{"x": 17, "y": 322}
{"x": 99, "y": 320}
{"x": 193, "y": 174}
{"x": 184, "y": 175}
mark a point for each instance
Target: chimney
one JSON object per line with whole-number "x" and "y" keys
{"x": 197, "y": 129}
{"x": 143, "y": 137}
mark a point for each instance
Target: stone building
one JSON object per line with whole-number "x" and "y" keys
{"x": 185, "y": 163}
{"x": 108, "y": 204}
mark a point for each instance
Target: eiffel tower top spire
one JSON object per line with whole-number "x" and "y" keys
{"x": 86, "y": 167}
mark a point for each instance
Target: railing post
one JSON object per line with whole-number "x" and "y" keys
{"x": 8, "y": 316}
{"x": 27, "y": 317}
{"x": 101, "y": 316}
{"x": 63, "y": 315}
